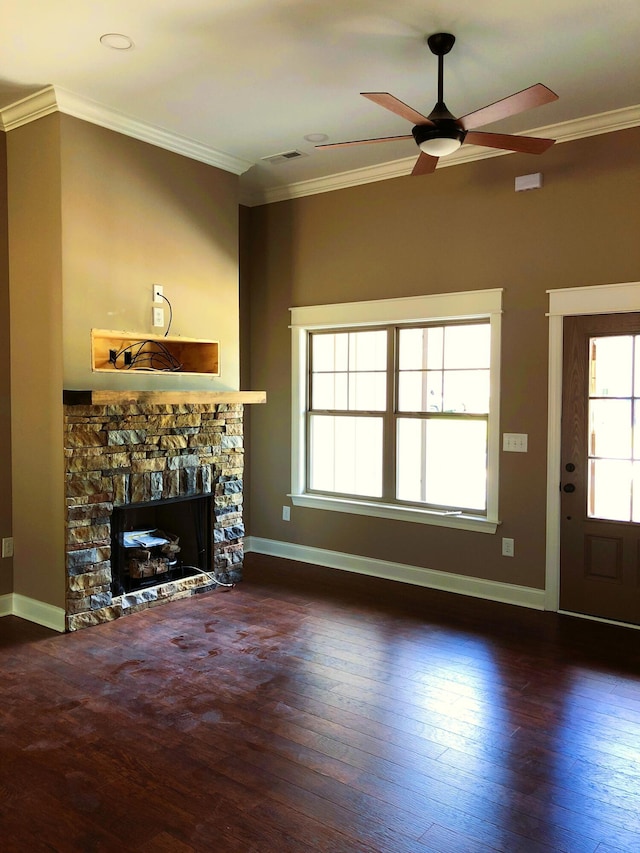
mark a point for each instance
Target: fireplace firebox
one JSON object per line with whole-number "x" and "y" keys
{"x": 160, "y": 541}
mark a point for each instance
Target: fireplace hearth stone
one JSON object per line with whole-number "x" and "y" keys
{"x": 140, "y": 453}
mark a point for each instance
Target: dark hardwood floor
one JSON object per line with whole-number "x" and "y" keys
{"x": 314, "y": 710}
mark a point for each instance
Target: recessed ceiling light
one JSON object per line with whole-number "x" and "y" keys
{"x": 116, "y": 41}
{"x": 316, "y": 137}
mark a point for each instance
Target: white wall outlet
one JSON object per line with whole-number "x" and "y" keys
{"x": 508, "y": 547}
{"x": 158, "y": 317}
{"x": 515, "y": 442}
{"x": 158, "y": 290}
{"x": 7, "y": 546}
{"x": 286, "y": 513}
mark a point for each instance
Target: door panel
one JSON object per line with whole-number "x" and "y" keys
{"x": 599, "y": 542}
{"x": 603, "y": 558}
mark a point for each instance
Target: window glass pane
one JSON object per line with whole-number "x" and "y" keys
{"x": 466, "y": 391}
{"x": 367, "y": 392}
{"x": 421, "y": 348}
{"x": 636, "y": 492}
{"x": 636, "y": 432}
{"x": 467, "y": 346}
{"x": 349, "y": 371}
{"x": 444, "y": 461}
{"x": 609, "y": 489}
{"x": 409, "y": 471}
{"x": 610, "y": 428}
{"x": 456, "y": 348}
{"x": 611, "y": 369}
{"x": 330, "y": 352}
{"x": 345, "y": 455}
{"x": 420, "y": 391}
{"x": 368, "y": 350}
{"x": 329, "y": 391}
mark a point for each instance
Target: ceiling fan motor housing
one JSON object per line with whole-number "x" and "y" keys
{"x": 443, "y": 128}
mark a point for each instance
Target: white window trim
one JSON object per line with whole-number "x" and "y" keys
{"x": 445, "y": 307}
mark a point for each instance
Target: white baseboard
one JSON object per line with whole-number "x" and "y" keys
{"x": 477, "y": 587}
{"x": 33, "y": 611}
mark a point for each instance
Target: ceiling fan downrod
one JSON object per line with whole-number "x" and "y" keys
{"x": 442, "y": 135}
{"x": 440, "y": 45}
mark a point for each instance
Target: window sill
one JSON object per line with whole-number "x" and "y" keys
{"x": 476, "y": 523}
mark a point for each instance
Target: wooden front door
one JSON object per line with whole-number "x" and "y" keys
{"x": 600, "y": 476}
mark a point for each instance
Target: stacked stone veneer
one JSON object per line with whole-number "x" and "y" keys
{"x": 129, "y": 454}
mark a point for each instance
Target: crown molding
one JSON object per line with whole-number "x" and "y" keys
{"x": 54, "y": 98}
{"x": 82, "y": 108}
{"x": 567, "y": 131}
{"x": 28, "y": 109}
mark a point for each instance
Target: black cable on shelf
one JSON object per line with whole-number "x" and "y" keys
{"x": 149, "y": 355}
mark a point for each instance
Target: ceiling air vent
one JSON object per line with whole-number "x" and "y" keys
{"x": 274, "y": 159}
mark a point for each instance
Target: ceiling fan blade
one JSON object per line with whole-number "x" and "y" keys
{"x": 534, "y": 96}
{"x": 524, "y": 144}
{"x": 425, "y": 164}
{"x": 364, "y": 141}
{"x": 390, "y": 102}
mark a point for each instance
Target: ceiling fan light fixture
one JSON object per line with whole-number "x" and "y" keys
{"x": 440, "y": 146}
{"x": 440, "y": 138}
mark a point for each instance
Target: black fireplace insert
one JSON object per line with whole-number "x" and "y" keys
{"x": 160, "y": 541}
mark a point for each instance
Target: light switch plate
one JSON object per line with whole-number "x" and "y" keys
{"x": 515, "y": 442}
{"x": 7, "y": 546}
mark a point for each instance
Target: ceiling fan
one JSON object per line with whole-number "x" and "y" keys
{"x": 441, "y": 133}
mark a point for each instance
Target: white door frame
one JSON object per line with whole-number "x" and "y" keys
{"x": 570, "y": 301}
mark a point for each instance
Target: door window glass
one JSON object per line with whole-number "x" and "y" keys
{"x": 614, "y": 431}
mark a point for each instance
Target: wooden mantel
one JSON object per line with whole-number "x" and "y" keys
{"x": 159, "y": 398}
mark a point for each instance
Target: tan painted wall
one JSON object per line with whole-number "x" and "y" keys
{"x": 35, "y": 268}
{"x": 95, "y": 219}
{"x": 6, "y": 564}
{"x": 462, "y": 228}
{"x": 135, "y": 215}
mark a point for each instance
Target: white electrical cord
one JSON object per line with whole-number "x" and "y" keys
{"x": 210, "y": 576}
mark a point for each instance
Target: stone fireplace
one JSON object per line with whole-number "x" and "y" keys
{"x": 138, "y": 453}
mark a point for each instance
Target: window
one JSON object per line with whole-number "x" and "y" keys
{"x": 614, "y": 435}
{"x": 395, "y": 408}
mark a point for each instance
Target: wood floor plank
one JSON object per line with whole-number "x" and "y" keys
{"x": 358, "y": 826}
{"x": 312, "y": 710}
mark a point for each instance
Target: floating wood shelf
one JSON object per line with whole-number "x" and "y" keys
{"x": 159, "y": 398}
{"x": 126, "y": 351}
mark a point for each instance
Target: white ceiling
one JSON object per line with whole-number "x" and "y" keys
{"x": 251, "y": 78}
